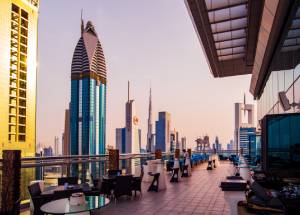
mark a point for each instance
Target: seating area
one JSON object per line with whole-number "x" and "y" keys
{"x": 199, "y": 194}
{"x": 196, "y": 159}
{"x": 230, "y": 187}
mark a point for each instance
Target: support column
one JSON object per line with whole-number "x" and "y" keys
{"x": 113, "y": 159}
{"x": 158, "y": 154}
{"x": 11, "y": 180}
{"x": 190, "y": 152}
{"x": 177, "y": 153}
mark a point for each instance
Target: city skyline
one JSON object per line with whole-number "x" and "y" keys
{"x": 172, "y": 48}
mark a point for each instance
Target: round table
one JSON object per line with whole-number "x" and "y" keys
{"x": 62, "y": 206}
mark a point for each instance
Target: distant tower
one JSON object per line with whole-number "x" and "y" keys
{"x": 56, "y": 146}
{"x": 128, "y": 139}
{"x": 88, "y": 95}
{"x": 183, "y": 142}
{"x": 163, "y": 132}
{"x": 150, "y": 139}
{"x": 66, "y": 134}
{"x": 243, "y": 125}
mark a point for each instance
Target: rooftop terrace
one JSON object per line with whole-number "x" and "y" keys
{"x": 198, "y": 194}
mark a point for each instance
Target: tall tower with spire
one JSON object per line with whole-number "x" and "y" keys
{"x": 128, "y": 139}
{"x": 88, "y": 95}
{"x": 150, "y": 135}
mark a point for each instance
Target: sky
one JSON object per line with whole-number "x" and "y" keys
{"x": 144, "y": 41}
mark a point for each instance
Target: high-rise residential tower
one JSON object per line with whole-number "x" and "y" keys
{"x": 128, "y": 139}
{"x": 88, "y": 95}
{"x": 163, "y": 132}
{"x": 18, "y": 69}
{"x": 150, "y": 136}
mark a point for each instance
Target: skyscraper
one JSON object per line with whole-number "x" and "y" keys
{"x": 18, "y": 66}
{"x": 88, "y": 95}
{"x": 244, "y": 124}
{"x": 128, "y": 139}
{"x": 163, "y": 132}
{"x": 175, "y": 141}
{"x": 150, "y": 136}
{"x": 218, "y": 145}
{"x": 121, "y": 139}
{"x": 183, "y": 142}
{"x": 66, "y": 134}
{"x": 56, "y": 146}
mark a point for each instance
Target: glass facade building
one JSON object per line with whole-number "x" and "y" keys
{"x": 88, "y": 95}
{"x": 18, "y": 69}
{"x": 162, "y": 141}
{"x": 245, "y": 138}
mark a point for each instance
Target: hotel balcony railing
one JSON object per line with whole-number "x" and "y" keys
{"x": 52, "y": 167}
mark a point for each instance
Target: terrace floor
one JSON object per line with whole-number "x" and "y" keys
{"x": 198, "y": 194}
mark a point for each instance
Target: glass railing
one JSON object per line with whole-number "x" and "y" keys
{"x": 84, "y": 167}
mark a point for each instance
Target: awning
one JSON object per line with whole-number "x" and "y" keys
{"x": 228, "y": 32}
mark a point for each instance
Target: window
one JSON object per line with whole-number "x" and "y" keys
{"x": 283, "y": 142}
{"x": 22, "y": 85}
{"x": 24, "y": 40}
{"x": 23, "y": 67}
{"x": 24, "y": 14}
{"x": 24, "y": 32}
{"x": 12, "y": 119}
{"x": 21, "y": 137}
{"x": 22, "y": 129}
{"x": 23, "y": 76}
{"x": 22, "y": 103}
{"x": 12, "y": 110}
{"x": 15, "y": 8}
{"x": 24, "y": 23}
{"x": 22, "y": 111}
{"x": 22, "y": 120}
{"x": 12, "y": 137}
{"x": 22, "y": 93}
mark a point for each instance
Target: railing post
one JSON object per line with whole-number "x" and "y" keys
{"x": 68, "y": 168}
{"x": 177, "y": 153}
{"x": 113, "y": 159}
{"x": 11, "y": 180}
{"x": 158, "y": 154}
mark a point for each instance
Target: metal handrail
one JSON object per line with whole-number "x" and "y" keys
{"x": 30, "y": 162}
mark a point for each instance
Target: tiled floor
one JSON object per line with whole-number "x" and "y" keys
{"x": 198, "y": 194}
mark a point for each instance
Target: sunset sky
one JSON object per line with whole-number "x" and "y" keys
{"x": 143, "y": 41}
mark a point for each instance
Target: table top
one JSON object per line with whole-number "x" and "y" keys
{"x": 62, "y": 206}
